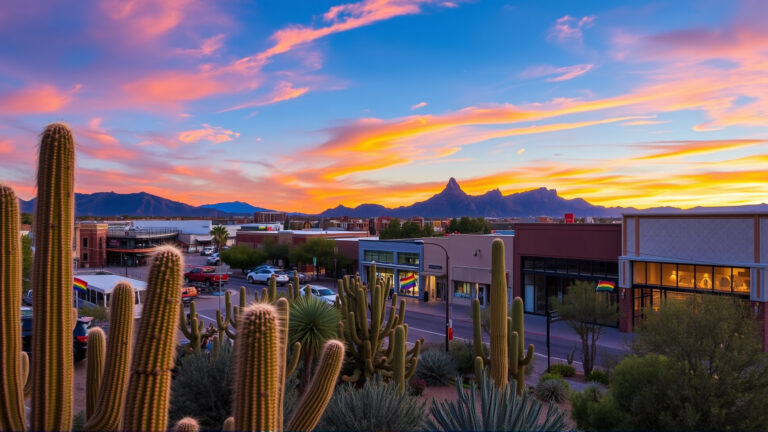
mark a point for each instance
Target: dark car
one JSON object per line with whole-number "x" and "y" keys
{"x": 79, "y": 334}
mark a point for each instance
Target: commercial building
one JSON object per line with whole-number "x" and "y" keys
{"x": 269, "y": 217}
{"x": 550, "y": 257}
{"x": 669, "y": 257}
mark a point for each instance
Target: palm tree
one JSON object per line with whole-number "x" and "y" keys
{"x": 313, "y": 322}
{"x": 220, "y": 236}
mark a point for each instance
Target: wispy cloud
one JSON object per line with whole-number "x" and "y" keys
{"x": 283, "y": 91}
{"x": 419, "y": 105}
{"x": 212, "y": 134}
{"x": 207, "y": 47}
{"x": 676, "y": 149}
{"x": 568, "y": 28}
{"x": 562, "y": 73}
{"x": 36, "y": 99}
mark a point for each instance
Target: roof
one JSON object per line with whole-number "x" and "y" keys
{"x": 730, "y": 212}
{"x": 107, "y": 282}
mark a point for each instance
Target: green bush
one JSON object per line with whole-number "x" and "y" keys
{"x": 550, "y": 375}
{"x": 99, "y": 313}
{"x": 598, "y": 376}
{"x": 436, "y": 368}
{"x": 594, "y": 410}
{"x": 563, "y": 370}
{"x": 377, "y": 406}
{"x": 552, "y": 390}
{"x": 203, "y": 388}
{"x": 464, "y": 354}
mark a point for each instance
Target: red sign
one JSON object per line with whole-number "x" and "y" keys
{"x": 569, "y": 218}
{"x": 450, "y": 333}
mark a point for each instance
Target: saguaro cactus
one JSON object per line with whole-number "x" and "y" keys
{"x": 365, "y": 336}
{"x": 11, "y": 383}
{"x": 97, "y": 349}
{"x": 111, "y": 397}
{"x": 507, "y": 359}
{"x": 149, "y": 387}
{"x": 187, "y": 424}
{"x": 401, "y": 371}
{"x": 52, "y": 281}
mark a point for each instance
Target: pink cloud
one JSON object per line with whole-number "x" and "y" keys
{"x": 284, "y": 91}
{"x": 570, "y": 28}
{"x": 212, "y": 134}
{"x": 563, "y": 73}
{"x": 6, "y": 146}
{"x": 419, "y": 105}
{"x": 171, "y": 88}
{"x": 35, "y": 99}
{"x": 208, "y": 47}
{"x": 147, "y": 19}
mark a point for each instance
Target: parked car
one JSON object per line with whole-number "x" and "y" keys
{"x": 213, "y": 259}
{"x": 27, "y": 298}
{"x": 205, "y": 275}
{"x": 263, "y": 275}
{"x": 79, "y": 334}
{"x": 207, "y": 250}
{"x": 188, "y": 294}
{"x": 325, "y": 294}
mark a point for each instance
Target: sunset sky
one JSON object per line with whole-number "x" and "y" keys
{"x": 304, "y": 105}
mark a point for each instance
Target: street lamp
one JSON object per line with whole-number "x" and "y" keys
{"x": 446, "y": 293}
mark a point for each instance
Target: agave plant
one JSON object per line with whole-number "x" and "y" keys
{"x": 313, "y": 323}
{"x": 499, "y": 410}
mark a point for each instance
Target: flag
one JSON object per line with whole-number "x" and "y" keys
{"x": 80, "y": 285}
{"x": 605, "y": 286}
{"x": 408, "y": 282}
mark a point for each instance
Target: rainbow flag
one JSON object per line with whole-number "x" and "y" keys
{"x": 80, "y": 285}
{"x": 605, "y": 286}
{"x": 408, "y": 282}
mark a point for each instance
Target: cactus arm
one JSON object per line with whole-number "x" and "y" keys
{"x": 257, "y": 371}
{"x": 316, "y": 398}
{"x": 52, "y": 368}
{"x": 25, "y": 381}
{"x": 529, "y": 355}
{"x": 12, "y": 382}
{"x": 353, "y": 330}
{"x": 398, "y": 358}
{"x": 149, "y": 387}
{"x": 414, "y": 362}
{"x": 514, "y": 354}
{"x": 479, "y": 366}
{"x": 186, "y": 424}
{"x": 111, "y": 399}
{"x": 97, "y": 350}
{"x": 499, "y": 351}
{"x": 229, "y": 425}
{"x": 401, "y": 311}
{"x": 295, "y": 354}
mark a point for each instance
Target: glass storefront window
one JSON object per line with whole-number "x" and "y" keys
{"x": 612, "y": 269}
{"x": 653, "y": 273}
{"x": 704, "y": 277}
{"x": 528, "y": 263}
{"x": 407, "y": 258}
{"x": 387, "y": 274}
{"x": 379, "y": 256}
{"x": 669, "y": 275}
{"x": 722, "y": 279}
{"x": 538, "y": 264}
{"x": 638, "y": 273}
{"x": 685, "y": 276}
{"x": 598, "y": 268}
{"x": 462, "y": 289}
{"x": 408, "y": 283}
{"x": 741, "y": 279}
{"x": 541, "y": 294}
{"x": 585, "y": 268}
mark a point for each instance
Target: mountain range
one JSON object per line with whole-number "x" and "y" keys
{"x": 452, "y": 201}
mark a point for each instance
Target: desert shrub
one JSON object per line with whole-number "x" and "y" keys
{"x": 598, "y": 376}
{"x": 377, "y": 406}
{"x": 552, "y": 390}
{"x": 594, "y": 410}
{"x": 495, "y": 410}
{"x": 563, "y": 370}
{"x": 99, "y": 313}
{"x": 416, "y": 386}
{"x": 464, "y": 354}
{"x": 550, "y": 375}
{"x": 203, "y": 388}
{"x": 436, "y": 368}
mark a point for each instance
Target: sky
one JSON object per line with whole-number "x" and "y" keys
{"x": 304, "y": 105}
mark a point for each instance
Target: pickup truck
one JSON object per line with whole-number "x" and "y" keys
{"x": 206, "y": 276}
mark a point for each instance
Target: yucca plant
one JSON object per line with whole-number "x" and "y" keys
{"x": 498, "y": 410}
{"x": 313, "y": 323}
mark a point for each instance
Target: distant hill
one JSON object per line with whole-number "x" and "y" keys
{"x": 235, "y": 207}
{"x": 454, "y": 202}
{"x": 134, "y": 204}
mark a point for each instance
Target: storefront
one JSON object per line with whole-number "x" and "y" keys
{"x": 672, "y": 257}
{"x": 398, "y": 261}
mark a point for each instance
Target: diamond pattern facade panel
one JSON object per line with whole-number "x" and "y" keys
{"x": 706, "y": 240}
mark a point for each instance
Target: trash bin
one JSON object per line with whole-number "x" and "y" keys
{"x": 426, "y": 296}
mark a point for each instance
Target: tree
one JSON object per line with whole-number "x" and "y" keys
{"x": 322, "y": 249}
{"x": 411, "y": 229}
{"x": 392, "y": 230}
{"x": 27, "y": 218}
{"x": 243, "y": 257}
{"x": 220, "y": 236}
{"x": 276, "y": 251}
{"x": 586, "y": 311}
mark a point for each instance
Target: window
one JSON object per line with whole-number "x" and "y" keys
{"x": 704, "y": 277}
{"x": 585, "y": 268}
{"x": 85, "y": 257}
{"x": 598, "y": 268}
{"x": 638, "y": 273}
{"x": 85, "y": 242}
{"x": 379, "y": 256}
{"x": 685, "y": 276}
{"x": 741, "y": 280}
{"x": 407, "y": 258}
{"x": 653, "y": 273}
{"x": 669, "y": 275}
{"x": 722, "y": 279}
{"x": 462, "y": 289}
{"x": 408, "y": 283}
{"x": 612, "y": 269}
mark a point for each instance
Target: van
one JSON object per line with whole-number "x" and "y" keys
{"x": 207, "y": 250}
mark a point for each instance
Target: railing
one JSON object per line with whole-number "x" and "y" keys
{"x": 143, "y": 233}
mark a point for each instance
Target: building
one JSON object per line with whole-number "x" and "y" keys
{"x": 130, "y": 247}
{"x": 399, "y": 261}
{"x": 269, "y": 217}
{"x": 669, "y": 257}
{"x": 92, "y": 245}
{"x": 470, "y": 266}
{"x": 550, "y": 257}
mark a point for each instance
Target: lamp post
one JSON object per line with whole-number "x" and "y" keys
{"x": 445, "y": 294}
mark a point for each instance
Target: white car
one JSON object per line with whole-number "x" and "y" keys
{"x": 263, "y": 275}
{"x": 325, "y": 294}
{"x": 213, "y": 259}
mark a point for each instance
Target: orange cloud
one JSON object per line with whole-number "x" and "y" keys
{"x": 170, "y": 88}
{"x": 35, "y": 99}
{"x": 213, "y": 134}
{"x": 689, "y": 148}
{"x": 208, "y": 47}
{"x": 6, "y": 146}
{"x": 147, "y": 19}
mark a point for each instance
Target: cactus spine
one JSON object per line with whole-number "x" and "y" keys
{"x": 365, "y": 337}
{"x": 187, "y": 424}
{"x": 52, "y": 377}
{"x": 149, "y": 386}
{"x": 507, "y": 359}
{"x": 11, "y": 382}
{"x": 111, "y": 398}
{"x": 97, "y": 347}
